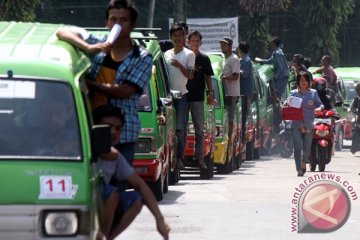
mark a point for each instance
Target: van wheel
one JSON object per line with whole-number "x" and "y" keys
{"x": 257, "y": 153}
{"x": 174, "y": 175}
{"x": 224, "y": 168}
{"x": 166, "y": 183}
{"x": 266, "y": 151}
{"x": 312, "y": 167}
{"x": 209, "y": 172}
{"x": 157, "y": 189}
{"x": 250, "y": 150}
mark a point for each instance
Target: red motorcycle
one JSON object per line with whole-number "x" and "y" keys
{"x": 322, "y": 147}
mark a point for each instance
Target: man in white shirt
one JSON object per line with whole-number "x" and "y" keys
{"x": 180, "y": 62}
{"x": 231, "y": 80}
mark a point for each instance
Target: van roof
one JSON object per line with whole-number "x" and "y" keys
{"x": 32, "y": 49}
{"x": 348, "y": 73}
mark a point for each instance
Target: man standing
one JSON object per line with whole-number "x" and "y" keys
{"x": 281, "y": 78}
{"x": 195, "y": 97}
{"x": 231, "y": 81}
{"x": 180, "y": 62}
{"x": 120, "y": 72}
{"x": 246, "y": 83}
{"x": 281, "y": 68}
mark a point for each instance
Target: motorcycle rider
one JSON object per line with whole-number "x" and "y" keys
{"x": 355, "y": 104}
{"x": 327, "y": 95}
{"x": 354, "y": 108}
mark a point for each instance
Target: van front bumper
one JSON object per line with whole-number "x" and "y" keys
{"x": 28, "y": 221}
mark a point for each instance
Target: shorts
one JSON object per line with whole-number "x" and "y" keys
{"x": 126, "y": 198}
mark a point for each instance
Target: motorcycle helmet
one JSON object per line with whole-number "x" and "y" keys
{"x": 319, "y": 84}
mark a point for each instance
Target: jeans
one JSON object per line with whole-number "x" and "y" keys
{"x": 197, "y": 115}
{"x": 302, "y": 142}
{"x": 230, "y": 104}
{"x": 181, "y": 108}
{"x": 280, "y": 86}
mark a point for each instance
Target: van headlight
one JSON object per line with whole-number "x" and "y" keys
{"x": 145, "y": 145}
{"x": 60, "y": 223}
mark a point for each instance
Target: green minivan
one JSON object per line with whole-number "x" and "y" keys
{"x": 226, "y": 158}
{"x": 259, "y": 137}
{"x": 49, "y": 182}
{"x": 155, "y": 150}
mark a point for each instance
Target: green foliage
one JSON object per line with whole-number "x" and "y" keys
{"x": 322, "y": 20}
{"x": 18, "y": 10}
{"x": 258, "y": 11}
{"x": 263, "y": 7}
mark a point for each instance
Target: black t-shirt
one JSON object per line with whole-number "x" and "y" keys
{"x": 196, "y": 86}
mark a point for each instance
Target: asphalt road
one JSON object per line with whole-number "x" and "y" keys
{"x": 254, "y": 202}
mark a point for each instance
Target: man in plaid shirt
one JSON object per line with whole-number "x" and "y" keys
{"x": 120, "y": 71}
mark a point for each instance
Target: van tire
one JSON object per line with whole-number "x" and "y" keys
{"x": 166, "y": 183}
{"x": 174, "y": 175}
{"x": 209, "y": 172}
{"x": 157, "y": 188}
{"x": 250, "y": 150}
{"x": 225, "y": 168}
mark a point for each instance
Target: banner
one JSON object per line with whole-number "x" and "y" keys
{"x": 212, "y": 30}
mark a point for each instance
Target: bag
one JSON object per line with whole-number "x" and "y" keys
{"x": 290, "y": 113}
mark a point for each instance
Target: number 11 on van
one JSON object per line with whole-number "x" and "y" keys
{"x": 56, "y": 187}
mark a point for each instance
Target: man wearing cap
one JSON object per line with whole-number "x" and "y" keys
{"x": 180, "y": 62}
{"x": 231, "y": 80}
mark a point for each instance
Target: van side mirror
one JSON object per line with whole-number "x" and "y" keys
{"x": 175, "y": 94}
{"x": 101, "y": 139}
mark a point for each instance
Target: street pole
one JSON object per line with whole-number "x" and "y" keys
{"x": 179, "y": 10}
{"x": 151, "y": 13}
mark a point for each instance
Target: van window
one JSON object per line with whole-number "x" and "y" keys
{"x": 145, "y": 101}
{"x": 164, "y": 74}
{"x": 38, "y": 120}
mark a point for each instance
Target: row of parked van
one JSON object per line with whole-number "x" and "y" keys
{"x": 155, "y": 159}
{"x": 40, "y": 187}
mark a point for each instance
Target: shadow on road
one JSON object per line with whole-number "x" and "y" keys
{"x": 171, "y": 197}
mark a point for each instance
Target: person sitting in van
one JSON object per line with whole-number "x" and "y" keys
{"x": 121, "y": 207}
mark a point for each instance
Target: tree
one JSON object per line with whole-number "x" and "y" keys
{"x": 322, "y": 22}
{"x": 18, "y": 10}
{"x": 258, "y": 11}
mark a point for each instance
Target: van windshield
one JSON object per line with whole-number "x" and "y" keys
{"x": 350, "y": 89}
{"x": 38, "y": 121}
